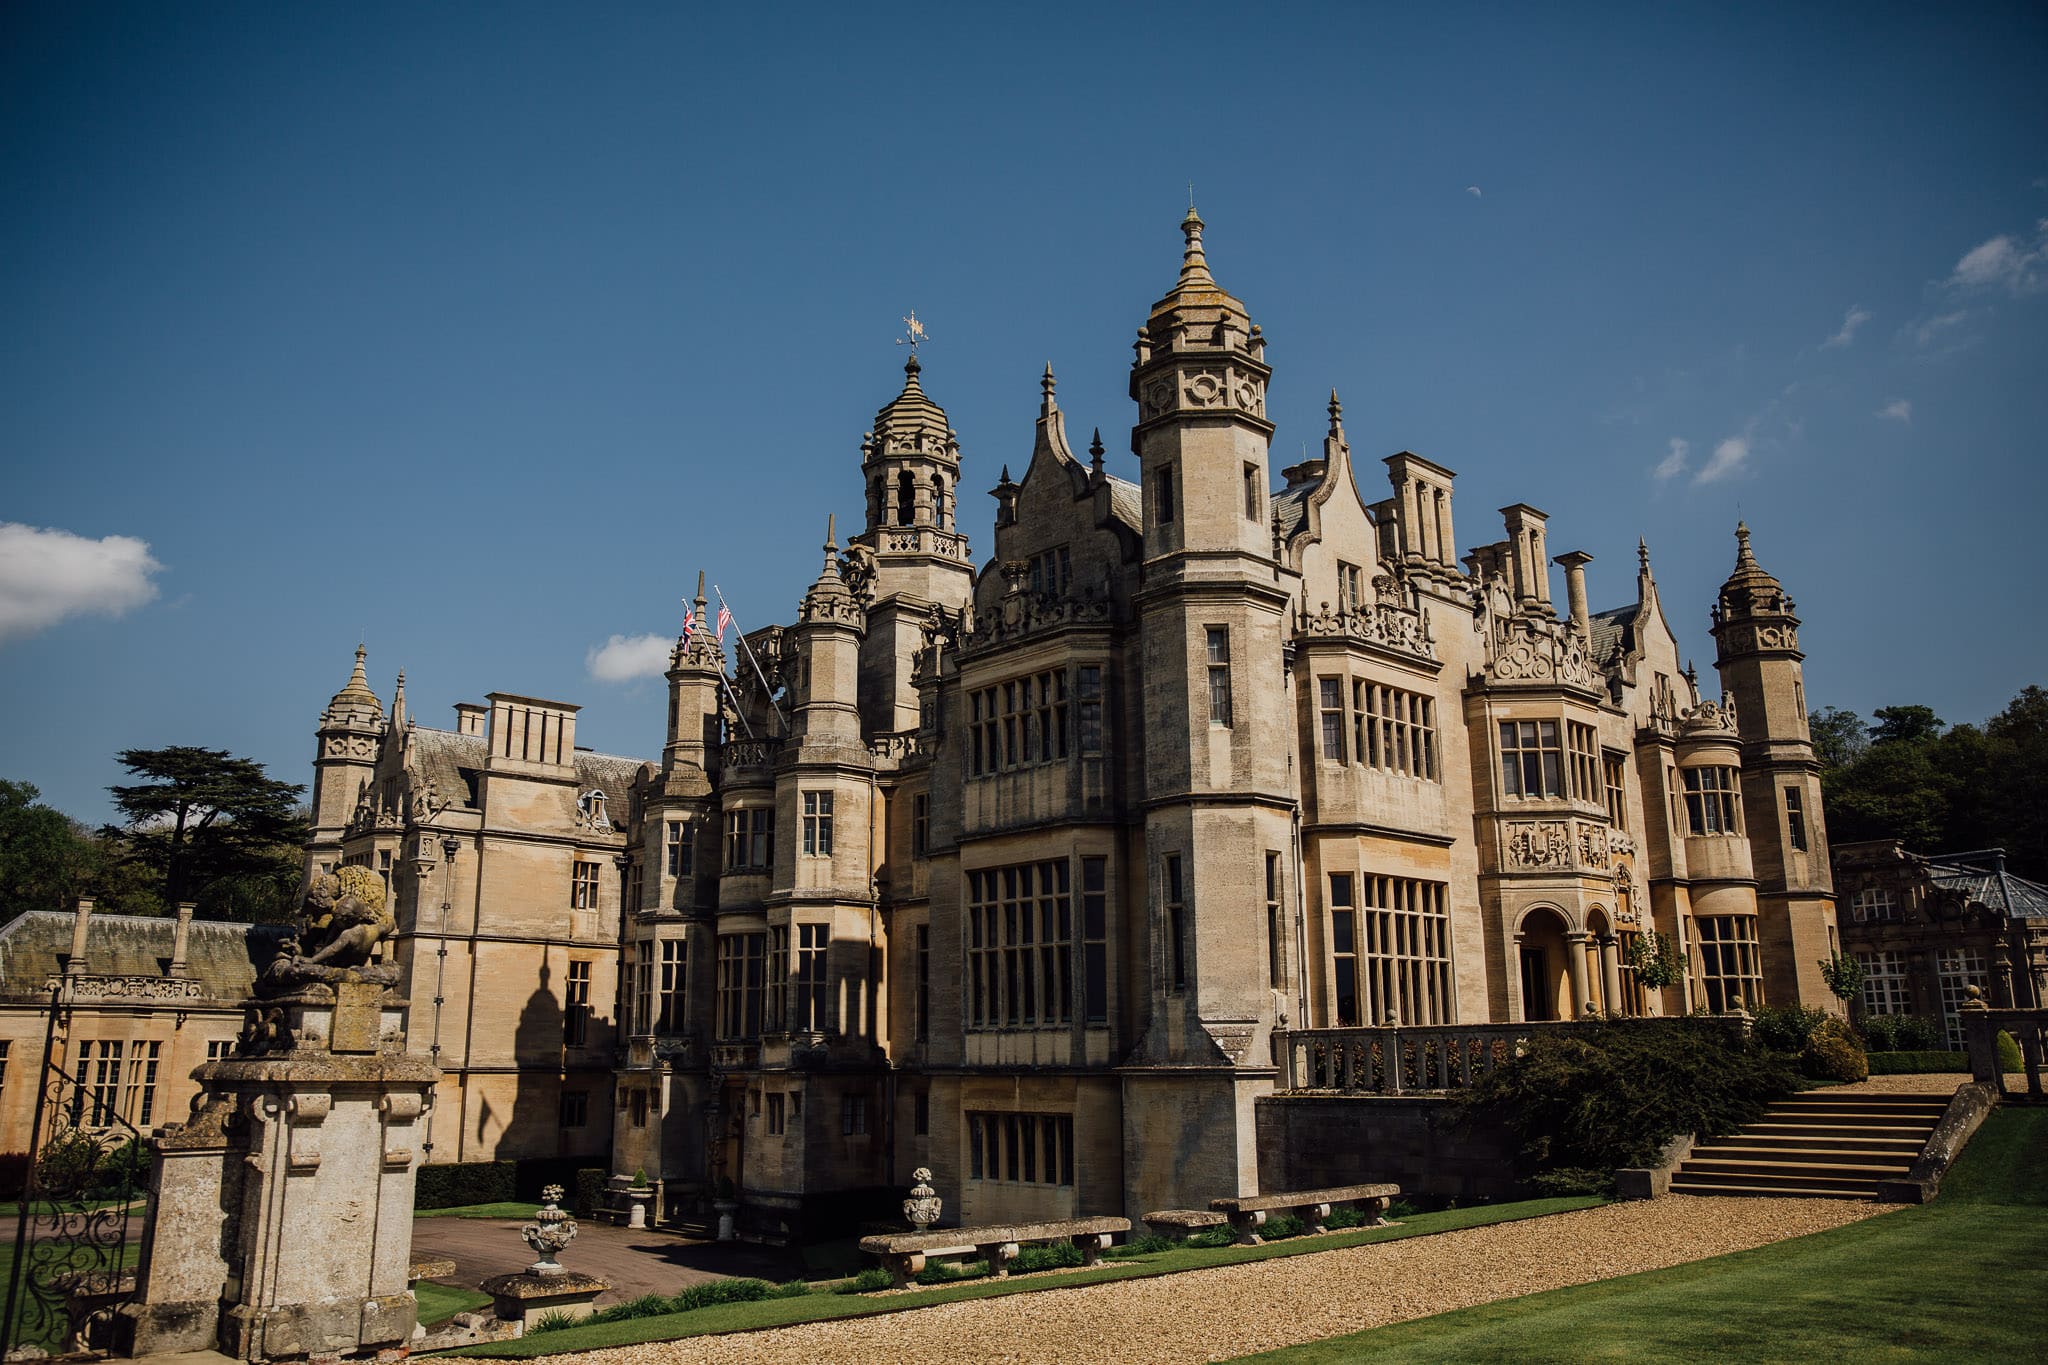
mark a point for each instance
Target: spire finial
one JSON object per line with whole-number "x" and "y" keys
{"x": 1745, "y": 558}
{"x": 1642, "y": 554}
{"x": 700, "y": 587}
{"x": 1194, "y": 266}
{"x": 1095, "y": 454}
{"x": 1047, "y": 403}
{"x": 831, "y": 569}
{"x": 1336, "y": 415}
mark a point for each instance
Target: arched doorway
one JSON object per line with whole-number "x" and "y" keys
{"x": 1546, "y": 988}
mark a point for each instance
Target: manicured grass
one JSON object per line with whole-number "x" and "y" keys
{"x": 1957, "y": 1279}
{"x": 439, "y": 1302}
{"x": 512, "y": 1209}
{"x": 823, "y": 1304}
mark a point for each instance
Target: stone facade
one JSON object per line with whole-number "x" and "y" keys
{"x": 1926, "y": 929}
{"x": 1012, "y": 871}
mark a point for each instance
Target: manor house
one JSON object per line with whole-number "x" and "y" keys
{"x": 1013, "y": 871}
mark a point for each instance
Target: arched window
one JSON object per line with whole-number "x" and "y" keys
{"x": 939, "y": 501}
{"x": 906, "y": 498}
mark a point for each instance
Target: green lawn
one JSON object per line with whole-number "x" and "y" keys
{"x": 439, "y": 1302}
{"x": 1959, "y": 1279}
{"x": 822, "y": 1303}
{"x": 510, "y": 1209}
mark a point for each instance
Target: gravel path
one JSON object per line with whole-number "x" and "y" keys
{"x": 1934, "y": 1083}
{"x": 1233, "y": 1310}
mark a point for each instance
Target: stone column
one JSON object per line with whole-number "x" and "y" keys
{"x": 1610, "y": 971}
{"x": 1575, "y": 960}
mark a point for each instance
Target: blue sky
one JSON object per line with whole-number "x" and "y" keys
{"x": 475, "y": 331}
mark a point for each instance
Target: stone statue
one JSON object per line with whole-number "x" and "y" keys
{"x": 339, "y": 926}
{"x": 857, "y": 567}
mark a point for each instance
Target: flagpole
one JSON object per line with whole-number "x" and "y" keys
{"x": 766, "y": 690}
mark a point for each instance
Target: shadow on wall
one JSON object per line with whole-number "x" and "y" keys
{"x": 546, "y": 1041}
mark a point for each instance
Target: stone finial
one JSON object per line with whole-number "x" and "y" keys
{"x": 1194, "y": 266}
{"x": 549, "y": 1232}
{"x": 1743, "y": 557}
{"x": 1095, "y": 456}
{"x": 921, "y": 1210}
{"x": 1047, "y": 404}
{"x": 1642, "y": 555}
{"x": 1336, "y": 415}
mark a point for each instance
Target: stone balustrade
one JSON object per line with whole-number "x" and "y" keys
{"x": 1421, "y": 1059}
{"x": 749, "y": 753}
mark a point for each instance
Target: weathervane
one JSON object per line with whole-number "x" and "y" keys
{"x": 915, "y": 335}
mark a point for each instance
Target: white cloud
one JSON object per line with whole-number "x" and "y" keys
{"x": 47, "y": 574}
{"x": 1898, "y": 410}
{"x": 626, "y": 657}
{"x": 1931, "y": 328}
{"x": 2007, "y": 262}
{"x": 1728, "y": 460}
{"x": 1851, "y": 321}
{"x": 1475, "y": 192}
{"x": 1673, "y": 464}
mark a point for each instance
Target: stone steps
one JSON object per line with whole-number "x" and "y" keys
{"x": 1816, "y": 1146}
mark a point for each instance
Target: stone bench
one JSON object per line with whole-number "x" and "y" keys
{"x": 904, "y": 1253}
{"x": 1247, "y": 1213}
{"x": 1180, "y": 1223}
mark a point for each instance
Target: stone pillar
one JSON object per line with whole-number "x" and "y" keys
{"x": 1575, "y": 961}
{"x": 180, "y": 937}
{"x": 1610, "y": 971}
{"x": 281, "y": 1216}
{"x": 81, "y": 923}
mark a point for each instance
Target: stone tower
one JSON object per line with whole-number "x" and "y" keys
{"x": 1219, "y": 730}
{"x": 347, "y": 740}
{"x": 910, "y": 463}
{"x": 1756, "y": 644}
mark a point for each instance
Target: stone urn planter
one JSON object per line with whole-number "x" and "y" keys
{"x": 638, "y": 1196}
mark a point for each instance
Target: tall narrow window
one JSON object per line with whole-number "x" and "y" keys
{"x": 1176, "y": 927}
{"x": 818, "y": 824}
{"x": 775, "y": 1017}
{"x": 583, "y": 886}
{"x": 678, "y": 848}
{"x": 1162, "y": 493}
{"x": 1274, "y": 976}
{"x": 640, "y": 987}
{"x": 1795, "y": 818}
{"x": 1583, "y": 745}
{"x": 1095, "y": 940}
{"x": 1330, "y": 696}
{"x": 1251, "y": 492}
{"x": 906, "y": 498}
{"x": 813, "y": 1003}
{"x": 576, "y": 1005}
{"x": 1615, "y": 771}
{"x": 1089, "y": 689}
{"x": 1350, "y": 587}
{"x": 1344, "y": 949}
{"x": 674, "y": 977}
{"x": 1219, "y": 675}
{"x": 920, "y": 825}
{"x": 142, "y": 1063}
{"x": 739, "y": 984}
{"x": 923, "y": 1028}
{"x": 633, "y": 885}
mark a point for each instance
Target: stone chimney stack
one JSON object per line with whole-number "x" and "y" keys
{"x": 1575, "y": 562}
{"x": 180, "y": 936}
{"x": 469, "y": 717}
{"x": 1526, "y": 557}
{"x": 75, "y": 964}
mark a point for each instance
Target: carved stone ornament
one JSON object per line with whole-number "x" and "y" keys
{"x": 1555, "y": 846}
{"x": 1391, "y": 627}
{"x": 338, "y": 929}
{"x": 921, "y": 1210}
{"x": 549, "y": 1232}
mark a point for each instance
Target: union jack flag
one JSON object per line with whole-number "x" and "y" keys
{"x": 689, "y": 624}
{"x": 724, "y": 620}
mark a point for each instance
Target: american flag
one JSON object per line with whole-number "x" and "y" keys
{"x": 724, "y": 620}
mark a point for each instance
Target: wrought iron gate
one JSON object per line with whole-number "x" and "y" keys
{"x": 77, "y": 1229}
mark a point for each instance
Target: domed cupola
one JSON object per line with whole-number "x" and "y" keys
{"x": 355, "y": 706}
{"x": 911, "y": 465}
{"x": 1752, "y": 613}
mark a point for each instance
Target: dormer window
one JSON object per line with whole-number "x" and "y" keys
{"x": 591, "y": 805}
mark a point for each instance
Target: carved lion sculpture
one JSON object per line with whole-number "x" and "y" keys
{"x": 339, "y": 927}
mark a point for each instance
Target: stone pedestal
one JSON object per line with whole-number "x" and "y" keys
{"x": 281, "y": 1213}
{"x": 525, "y": 1297}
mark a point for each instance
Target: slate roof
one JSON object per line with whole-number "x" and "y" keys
{"x": 1125, "y": 504}
{"x": 1290, "y": 506}
{"x": 223, "y": 956}
{"x": 452, "y": 762}
{"x": 1612, "y": 632}
{"x": 2003, "y": 893}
